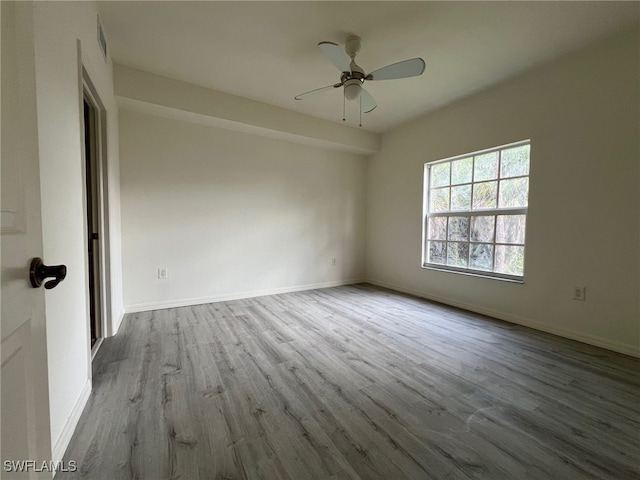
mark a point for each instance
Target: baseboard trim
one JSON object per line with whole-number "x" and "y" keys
{"x": 63, "y": 440}
{"x": 145, "y": 307}
{"x": 619, "y": 347}
{"x": 118, "y": 321}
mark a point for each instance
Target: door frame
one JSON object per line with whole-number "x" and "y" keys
{"x": 89, "y": 93}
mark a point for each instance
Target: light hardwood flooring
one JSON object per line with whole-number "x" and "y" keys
{"x": 353, "y": 382}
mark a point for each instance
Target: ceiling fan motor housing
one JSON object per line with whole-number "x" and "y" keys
{"x": 353, "y": 81}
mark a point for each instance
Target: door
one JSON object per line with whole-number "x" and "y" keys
{"x": 25, "y": 433}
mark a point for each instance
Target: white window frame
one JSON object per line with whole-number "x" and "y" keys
{"x": 427, "y": 214}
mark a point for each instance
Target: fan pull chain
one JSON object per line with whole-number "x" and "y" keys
{"x": 360, "y": 98}
{"x": 344, "y": 117}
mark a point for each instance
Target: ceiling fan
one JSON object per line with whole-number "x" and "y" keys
{"x": 353, "y": 76}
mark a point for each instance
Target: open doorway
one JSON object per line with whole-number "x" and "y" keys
{"x": 93, "y": 216}
{"x": 96, "y": 213}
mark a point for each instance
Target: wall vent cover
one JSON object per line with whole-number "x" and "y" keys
{"x": 102, "y": 41}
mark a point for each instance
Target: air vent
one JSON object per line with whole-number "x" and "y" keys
{"x": 102, "y": 41}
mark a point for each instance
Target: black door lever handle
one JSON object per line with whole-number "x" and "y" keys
{"x": 38, "y": 272}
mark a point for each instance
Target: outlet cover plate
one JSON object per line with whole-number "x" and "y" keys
{"x": 579, "y": 293}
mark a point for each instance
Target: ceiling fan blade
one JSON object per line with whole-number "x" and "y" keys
{"x": 367, "y": 102}
{"x": 317, "y": 90}
{"x": 336, "y": 55}
{"x": 404, "y": 69}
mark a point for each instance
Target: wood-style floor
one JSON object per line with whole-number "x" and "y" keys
{"x": 353, "y": 382}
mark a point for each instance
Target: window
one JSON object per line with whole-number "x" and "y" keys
{"x": 476, "y": 212}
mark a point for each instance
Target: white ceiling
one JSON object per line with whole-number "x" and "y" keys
{"x": 267, "y": 51}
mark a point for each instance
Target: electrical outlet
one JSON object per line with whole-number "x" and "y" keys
{"x": 579, "y": 293}
{"x": 163, "y": 273}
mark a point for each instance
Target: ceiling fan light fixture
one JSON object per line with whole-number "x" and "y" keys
{"x": 352, "y": 89}
{"x": 352, "y": 76}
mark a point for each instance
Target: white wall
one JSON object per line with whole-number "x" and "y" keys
{"x": 232, "y": 214}
{"x": 58, "y": 26}
{"x": 158, "y": 95}
{"x": 582, "y": 116}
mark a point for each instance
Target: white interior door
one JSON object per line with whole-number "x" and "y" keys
{"x": 25, "y": 427}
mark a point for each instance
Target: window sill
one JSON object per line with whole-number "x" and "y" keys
{"x": 487, "y": 275}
